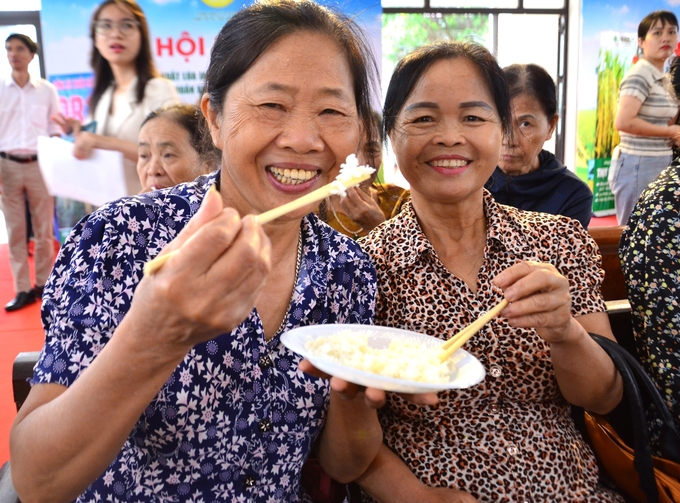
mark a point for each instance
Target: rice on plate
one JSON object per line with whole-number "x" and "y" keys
{"x": 401, "y": 359}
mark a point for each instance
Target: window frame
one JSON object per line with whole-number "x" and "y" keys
{"x": 562, "y": 47}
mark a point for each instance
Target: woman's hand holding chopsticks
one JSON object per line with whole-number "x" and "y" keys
{"x": 211, "y": 285}
{"x": 539, "y": 298}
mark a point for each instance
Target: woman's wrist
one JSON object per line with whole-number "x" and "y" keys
{"x": 573, "y": 334}
{"x": 160, "y": 354}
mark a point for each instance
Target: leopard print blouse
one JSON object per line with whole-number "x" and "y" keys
{"x": 510, "y": 438}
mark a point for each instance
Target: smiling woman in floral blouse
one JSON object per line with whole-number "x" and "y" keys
{"x": 173, "y": 387}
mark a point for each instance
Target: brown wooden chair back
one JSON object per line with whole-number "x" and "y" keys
{"x": 607, "y": 239}
{"x": 22, "y": 371}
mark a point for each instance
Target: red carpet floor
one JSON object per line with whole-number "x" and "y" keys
{"x": 19, "y": 331}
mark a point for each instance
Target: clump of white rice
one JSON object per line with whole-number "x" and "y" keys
{"x": 402, "y": 359}
{"x": 351, "y": 173}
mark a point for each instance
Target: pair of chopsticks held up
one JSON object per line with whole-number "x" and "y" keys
{"x": 351, "y": 174}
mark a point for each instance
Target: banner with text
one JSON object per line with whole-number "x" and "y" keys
{"x": 182, "y": 34}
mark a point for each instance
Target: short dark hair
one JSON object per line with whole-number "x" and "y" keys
{"x": 253, "y": 29}
{"x": 534, "y": 81}
{"x": 412, "y": 66}
{"x": 144, "y": 66}
{"x": 25, "y": 39}
{"x": 666, "y": 17}
{"x": 191, "y": 119}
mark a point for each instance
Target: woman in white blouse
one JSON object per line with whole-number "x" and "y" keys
{"x": 127, "y": 85}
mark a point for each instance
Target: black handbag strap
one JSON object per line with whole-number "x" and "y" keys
{"x": 670, "y": 437}
{"x": 637, "y": 382}
{"x": 643, "y": 452}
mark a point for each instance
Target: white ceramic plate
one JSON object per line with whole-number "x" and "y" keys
{"x": 468, "y": 370}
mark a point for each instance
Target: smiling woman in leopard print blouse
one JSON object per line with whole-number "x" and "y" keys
{"x": 452, "y": 254}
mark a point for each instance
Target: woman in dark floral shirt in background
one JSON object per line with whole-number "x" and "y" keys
{"x": 650, "y": 260}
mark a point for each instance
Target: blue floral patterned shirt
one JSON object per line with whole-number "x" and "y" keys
{"x": 237, "y": 419}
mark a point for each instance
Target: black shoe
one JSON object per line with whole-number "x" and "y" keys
{"x": 37, "y": 292}
{"x": 22, "y": 299}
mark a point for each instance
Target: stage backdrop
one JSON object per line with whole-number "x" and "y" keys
{"x": 182, "y": 35}
{"x": 609, "y": 44}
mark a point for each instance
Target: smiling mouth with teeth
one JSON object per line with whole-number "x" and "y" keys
{"x": 292, "y": 176}
{"x": 449, "y": 163}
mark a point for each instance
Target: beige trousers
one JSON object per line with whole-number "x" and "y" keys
{"x": 21, "y": 181}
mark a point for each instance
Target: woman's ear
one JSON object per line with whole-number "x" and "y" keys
{"x": 213, "y": 120}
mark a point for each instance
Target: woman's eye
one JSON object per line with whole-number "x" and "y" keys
{"x": 330, "y": 111}
{"x": 473, "y": 118}
{"x": 424, "y": 118}
{"x": 272, "y": 105}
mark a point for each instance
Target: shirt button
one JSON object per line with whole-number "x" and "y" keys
{"x": 265, "y": 362}
{"x": 495, "y": 371}
{"x": 249, "y": 481}
{"x": 494, "y": 408}
{"x": 265, "y": 426}
{"x": 512, "y": 449}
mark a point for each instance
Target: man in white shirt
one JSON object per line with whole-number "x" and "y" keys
{"x": 26, "y": 105}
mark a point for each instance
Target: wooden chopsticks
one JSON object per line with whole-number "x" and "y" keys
{"x": 313, "y": 197}
{"x": 338, "y": 185}
{"x": 457, "y": 341}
